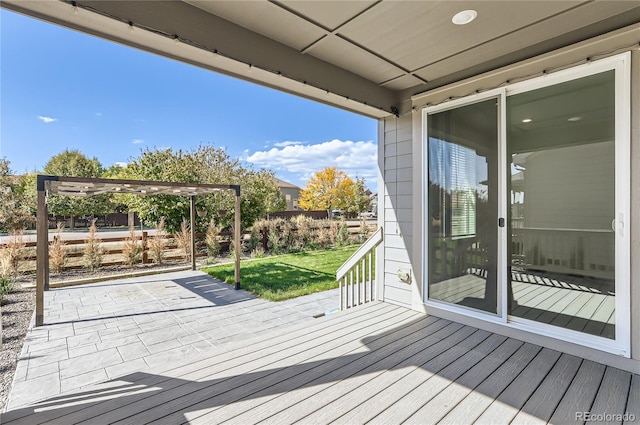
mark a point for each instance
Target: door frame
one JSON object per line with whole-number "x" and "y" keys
{"x": 621, "y": 63}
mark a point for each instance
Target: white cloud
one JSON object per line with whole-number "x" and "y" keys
{"x": 137, "y": 141}
{"x": 121, "y": 164}
{"x": 357, "y": 159}
{"x": 287, "y": 143}
{"x": 47, "y": 120}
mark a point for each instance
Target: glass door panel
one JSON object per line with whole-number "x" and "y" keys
{"x": 561, "y": 148}
{"x": 463, "y": 199}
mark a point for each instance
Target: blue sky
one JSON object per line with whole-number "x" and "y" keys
{"x": 61, "y": 89}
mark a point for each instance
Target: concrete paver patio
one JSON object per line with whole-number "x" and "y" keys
{"x": 100, "y": 331}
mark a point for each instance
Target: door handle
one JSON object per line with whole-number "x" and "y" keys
{"x": 618, "y": 224}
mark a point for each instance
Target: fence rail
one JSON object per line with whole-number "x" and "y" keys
{"x": 112, "y": 247}
{"x": 357, "y": 274}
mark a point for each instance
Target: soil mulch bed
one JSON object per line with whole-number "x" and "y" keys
{"x": 17, "y": 311}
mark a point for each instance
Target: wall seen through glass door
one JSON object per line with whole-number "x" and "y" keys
{"x": 561, "y": 153}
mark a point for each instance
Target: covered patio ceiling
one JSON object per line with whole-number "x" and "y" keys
{"x": 368, "y": 56}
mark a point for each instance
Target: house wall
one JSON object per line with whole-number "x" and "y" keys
{"x": 401, "y": 163}
{"x": 395, "y": 205}
{"x": 292, "y": 196}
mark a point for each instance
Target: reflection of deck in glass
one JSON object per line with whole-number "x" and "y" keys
{"x": 571, "y": 302}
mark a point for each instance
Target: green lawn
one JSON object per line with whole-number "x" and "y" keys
{"x": 287, "y": 276}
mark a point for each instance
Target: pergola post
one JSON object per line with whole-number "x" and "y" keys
{"x": 193, "y": 232}
{"x": 237, "y": 236}
{"x": 42, "y": 250}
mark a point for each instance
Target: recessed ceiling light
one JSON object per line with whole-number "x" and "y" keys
{"x": 574, "y": 119}
{"x": 464, "y": 17}
{"x": 527, "y": 120}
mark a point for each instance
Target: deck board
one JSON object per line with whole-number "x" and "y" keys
{"x": 439, "y": 406}
{"x": 580, "y": 394}
{"x": 376, "y": 364}
{"x": 633, "y": 402}
{"x": 613, "y": 397}
{"x": 507, "y": 405}
{"x": 404, "y": 405}
{"x": 481, "y": 398}
{"x": 394, "y": 388}
{"x": 541, "y": 405}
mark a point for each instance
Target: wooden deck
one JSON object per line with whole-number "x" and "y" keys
{"x": 572, "y": 302}
{"x": 377, "y": 364}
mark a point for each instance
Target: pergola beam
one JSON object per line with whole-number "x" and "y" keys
{"x": 82, "y": 187}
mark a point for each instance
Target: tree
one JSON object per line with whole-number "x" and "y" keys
{"x": 75, "y": 164}
{"x": 361, "y": 200}
{"x": 328, "y": 189}
{"x": 205, "y": 164}
{"x": 15, "y": 211}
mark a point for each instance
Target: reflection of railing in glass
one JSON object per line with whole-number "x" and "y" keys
{"x": 573, "y": 251}
{"x": 564, "y": 277}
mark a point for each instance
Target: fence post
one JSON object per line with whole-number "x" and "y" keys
{"x": 145, "y": 254}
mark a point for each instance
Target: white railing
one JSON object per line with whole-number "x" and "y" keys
{"x": 357, "y": 274}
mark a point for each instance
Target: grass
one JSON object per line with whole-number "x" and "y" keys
{"x": 287, "y": 276}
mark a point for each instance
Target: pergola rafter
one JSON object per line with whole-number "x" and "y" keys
{"x": 85, "y": 187}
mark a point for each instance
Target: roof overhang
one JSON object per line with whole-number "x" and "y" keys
{"x": 368, "y": 56}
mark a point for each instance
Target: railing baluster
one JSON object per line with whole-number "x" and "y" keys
{"x": 371, "y": 294}
{"x": 358, "y": 281}
{"x": 363, "y": 280}
{"x": 352, "y": 289}
{"x": 353, "y": 275}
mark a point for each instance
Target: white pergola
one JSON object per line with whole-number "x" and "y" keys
{"x": 85, "y": 187}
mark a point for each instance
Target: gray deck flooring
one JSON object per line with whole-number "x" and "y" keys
{"x": 376, "y": 364}
{"x": 561, "y": 303}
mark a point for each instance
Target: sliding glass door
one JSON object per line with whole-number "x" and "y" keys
{"x": 463, "y": 205}
{"x": 527, "y": 198}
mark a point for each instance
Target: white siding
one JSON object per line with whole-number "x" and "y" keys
{"x": 398, "y": 207}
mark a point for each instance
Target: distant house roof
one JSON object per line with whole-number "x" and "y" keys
{"x": 282, "y": 183}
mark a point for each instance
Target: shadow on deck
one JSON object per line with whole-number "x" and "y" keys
{"x": 378, "y": 363}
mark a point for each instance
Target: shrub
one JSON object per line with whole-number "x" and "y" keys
{"x": 183, "y": 238}
{"x": 93, "y": 251}
{"x": 342, "y": 237}
{"x": 6, "y": 273}
{"x": 326, "y": 232}
{"x": 213, "y": 245}
{"x": 15, "y": 251}
{"x": 132, "y": 248}
{"x": 158, "y": 243}
{"x": 258, "y": 252}
{"x": 58, "y": 250}
{"x": 363, "y": 231}
{"x": 304, "y": 232}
